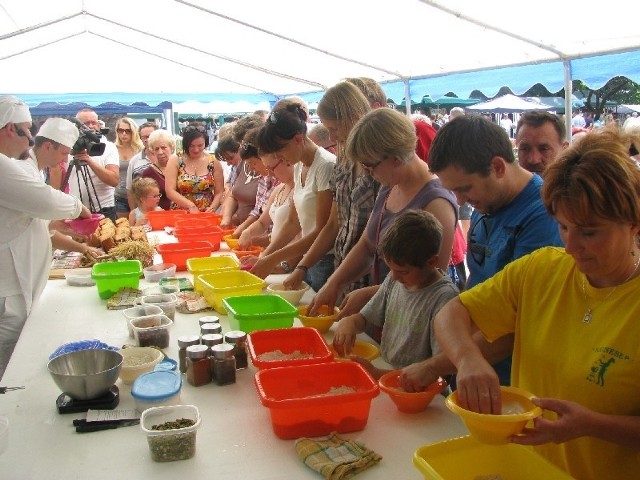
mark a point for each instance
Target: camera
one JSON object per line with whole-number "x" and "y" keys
{"x": 88, "y": 140}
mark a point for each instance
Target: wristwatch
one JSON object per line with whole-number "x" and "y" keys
{"x": 285, "y": 266}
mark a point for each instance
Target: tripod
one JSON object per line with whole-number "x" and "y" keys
{"x": 82, "y": 172}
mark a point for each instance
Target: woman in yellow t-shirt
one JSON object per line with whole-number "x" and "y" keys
{"x": 574, "y": 314}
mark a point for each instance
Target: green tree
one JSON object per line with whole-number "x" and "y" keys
{"x": 618, "y": 90}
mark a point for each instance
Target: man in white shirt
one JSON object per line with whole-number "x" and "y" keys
{"x": 26, "y": 206}
{"x": 103, "y": 172}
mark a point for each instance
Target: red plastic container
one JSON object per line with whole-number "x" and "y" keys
{"x": 302, "y": 404}
{"x": 212, "y": 216}
{"x": 213, "y": 235}
{"x": 305, "y": 340}
{"x": 180, "y": 252}
{"x": 158, "y": 219}
{"x": 186, "y": 222}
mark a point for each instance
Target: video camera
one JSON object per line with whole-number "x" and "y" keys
{"x": 88, "y": 140}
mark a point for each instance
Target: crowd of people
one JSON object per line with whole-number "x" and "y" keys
{"x": 385, "y": 217}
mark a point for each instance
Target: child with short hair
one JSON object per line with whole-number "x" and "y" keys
{"x": 409, "y": 297}
{"x": 147, "y": 194}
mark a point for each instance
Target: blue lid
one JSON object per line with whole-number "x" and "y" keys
{"x": 167, "y": 364}
{"x": 81, "y": 345}
{"x": 156, "y": 385}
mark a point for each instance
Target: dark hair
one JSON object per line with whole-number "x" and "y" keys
{"x": 470, "y": 142}
{"x": 248, "y": 147}
{"x": 413, "y": 238}
{"x": 286, "y": 120}
{"x": 147, "y": 125}
{"x": 537, "y": 118}
{"x": 192, "y": 132}
{"x": 226, "y": 144}
{"x": 242, "y": 126}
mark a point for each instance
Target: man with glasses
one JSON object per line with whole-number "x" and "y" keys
{"x": 474, "y": 159}
{"x": 140, "y": 161}
{"x": 103, "y": 171}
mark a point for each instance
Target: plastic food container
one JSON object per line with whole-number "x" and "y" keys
{"x": 198, "y": 222}
{"x": 361, "y": 349}
{"x": 174, "y": 444}
{"x": 258, "y": 312}
{"x": 212, "y": 216}
{"x": 139, "y": 311}
{"x": 409, "y": 402}
{"x": 322, "y": 321}
{"x": 299, "y": 346}
{"x": 158, "y": 219}
{"x": 79, "y": 277}
{"x": 465, "y": 457}
{"x": 156, "y": 389}
{"x": 213, "y": 235}
{"x": 138, "y": 360}
{"x": 315, "y": 400}
{"x": 180, "y": 252}
{"x": 230, "y": 241}
{"x": 518, "y": 409}
{"x": 112, "y": 276}
{"x": 85, "y": 226}
{"x": 166, "y": 301}
{"x": 291, "y": 296}
{"x": 199, "y": 266}
{"x": 220, "y": 285}
{"x": 152, "y": 331}
{"x": 162, "y": 270}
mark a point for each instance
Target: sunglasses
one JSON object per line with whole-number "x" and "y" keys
{"x": 479, "y": 251}
{"x": 123, "y": 130}
{"x": 370, "y": 167}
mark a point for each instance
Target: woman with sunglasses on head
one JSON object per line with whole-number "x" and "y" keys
{"x": 383, "y": 143}
{"x": 194, "y": 181}
{"x": 128, "y": 143}
{"x": 284, "y": 138}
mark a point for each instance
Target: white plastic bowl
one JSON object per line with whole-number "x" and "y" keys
{"x": 291, "y": 296}
{"x": 79, "y": 277}
{"x": 138, "y": 360}
{"x": 155, "y": 272}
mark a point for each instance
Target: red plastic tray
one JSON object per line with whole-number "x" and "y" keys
{"x": 180, "y": 252}
{"x": 288, "y": 340}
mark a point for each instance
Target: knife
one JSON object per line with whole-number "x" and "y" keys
{"x": 82, "y": 426}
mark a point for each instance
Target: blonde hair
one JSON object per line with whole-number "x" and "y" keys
{"x": 142, "y": 186}
{"x": 162, "y": 135}
{"x": 370, "y": 88}
{"x": 136, "y": 142}
{"x": 595, "y": 177}
{"x": 382, "y": 133}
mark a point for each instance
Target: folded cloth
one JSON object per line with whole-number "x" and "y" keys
{"x": 335, "y": 457}
{"x": 125, "y": 298}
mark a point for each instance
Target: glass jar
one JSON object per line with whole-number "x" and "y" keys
{"x": 183, "y": 343}
{"x": 198, "y": 365}
{"x": 211, "y": 339}
{"x": 224, "y": 364}
{"x": 238, "y": 339}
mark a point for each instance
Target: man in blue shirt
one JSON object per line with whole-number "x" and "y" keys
{"x": 474, "y": 159}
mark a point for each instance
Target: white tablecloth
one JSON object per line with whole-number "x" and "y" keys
{"x": 235, "y": 439}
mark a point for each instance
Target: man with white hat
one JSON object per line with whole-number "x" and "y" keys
{"x": 27, "y": 205}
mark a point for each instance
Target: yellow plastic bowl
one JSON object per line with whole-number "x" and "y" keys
{"x": 496, "y": 429}
{"x": 409, "y": 402}
{"x": 322, "y": 321}
{"x": 231, "y": 242}
{"x": 361, "y": 349}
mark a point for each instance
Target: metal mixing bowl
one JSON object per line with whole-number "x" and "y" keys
{"x": 86, "y": 374}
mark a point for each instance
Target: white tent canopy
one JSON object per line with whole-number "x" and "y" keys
{"x": 215, "y": 50}
{"x": 509, "y": 104}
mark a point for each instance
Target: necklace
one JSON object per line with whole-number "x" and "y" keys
{"x": 249, "y": 174}
{"x": 588, "y": 316}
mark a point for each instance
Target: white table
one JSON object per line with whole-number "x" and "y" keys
{"x": 235, "y": 439}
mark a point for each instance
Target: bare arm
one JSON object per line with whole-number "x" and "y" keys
{"x": 446, "y": 215}
{"x": 262, "y": 224}
{"x": 218, "y": 186}
{"x": 171, "y": 183}
{"x": 109, "y": 175}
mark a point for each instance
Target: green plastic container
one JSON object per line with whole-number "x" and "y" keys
{"x": 112, "y": 276}
{"x": 259, "y": 312}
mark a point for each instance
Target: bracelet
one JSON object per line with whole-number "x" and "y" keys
{"x": 302, "y": 267}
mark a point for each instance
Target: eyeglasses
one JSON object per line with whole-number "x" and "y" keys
{"x": 144, "y": 137}
{"x": 273, "y": 169}
{"x": 369, "y": 168}
{"x": 272, "y": 118}
{"x": 479, "y": 251}
{"x": 330, "y": 146}
{"x": 227, "y": 157}
{"x": 124, "y": 130}
{"x": 155, "y": 196}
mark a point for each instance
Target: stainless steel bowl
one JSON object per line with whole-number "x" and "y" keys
{"x": 86, "y": 374}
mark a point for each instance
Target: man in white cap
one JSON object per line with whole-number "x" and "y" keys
{"x": 27, "y": 205}
{"x": 104, "y": 171}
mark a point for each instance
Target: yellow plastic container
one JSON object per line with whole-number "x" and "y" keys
{"x": 232, "y": 283}
{"x": 496, "y": 429}
{"x": 465, "y": 457}
{"x": 199, "y": 266}
{"x": 361, "y": 349}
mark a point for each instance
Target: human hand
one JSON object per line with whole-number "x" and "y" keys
{"x": 344, "y": 337}
{"x": 62, "y": 227}
{"x": 263, "y": 267}
{"x": 572, "y": 422}
{"x": 193, "y": 208}
{"x": 294, "y": 280}
{"x": 418, "y": 376}
{"x": 327, "y": 295}
{"x": 354, "y": 301}
{"x": 478, "y": 387}
{"x": 375, "y": 372}
{"x": 85, "y": 213}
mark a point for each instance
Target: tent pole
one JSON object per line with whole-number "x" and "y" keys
{"x": 407, "y": 96}
{"x": 568, "y": 94}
